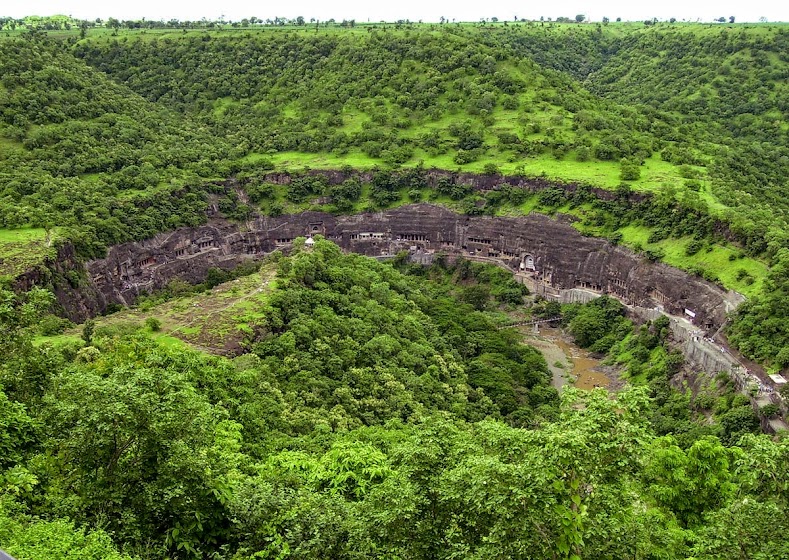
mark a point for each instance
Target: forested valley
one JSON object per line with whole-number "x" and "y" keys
{"x": 387, "y": 409}
{"x": 94, "y": 133}
{"x": 375, "y": 414}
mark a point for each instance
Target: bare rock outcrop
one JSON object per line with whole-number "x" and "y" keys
{"x": 551, "y": 252}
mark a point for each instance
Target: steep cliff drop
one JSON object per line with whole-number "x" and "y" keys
{"x": 549, "y": 255}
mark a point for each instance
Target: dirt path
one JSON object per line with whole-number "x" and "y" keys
{"x": 749, "y": 365}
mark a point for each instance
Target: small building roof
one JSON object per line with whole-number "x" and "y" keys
{"x": 778, "y": 379}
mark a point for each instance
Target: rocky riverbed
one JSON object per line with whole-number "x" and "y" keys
{"x": 569, "y": 364}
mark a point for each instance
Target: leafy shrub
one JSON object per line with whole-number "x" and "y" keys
{"x": 654, "y": 255}
{"x": 630, "y": 171}
{"x": 704, "y": 401}
{"x": 51, "y": 325}
{"x": 465, "y": 156}
{"x": 490, "y": 169}
{"x": 693, "y": 247}
{"x": 770, "y": 410}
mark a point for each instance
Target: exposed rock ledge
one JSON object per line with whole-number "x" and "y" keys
{"x": 552, "y": 252}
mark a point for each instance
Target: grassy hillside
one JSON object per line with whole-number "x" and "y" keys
{"x": 111, "y": 138}
{"x": 721, "y": 89}
{"x": 216, "y": 321}
{"x": 727, "y": 86}
{"x": 449, "y": 97}
{"x": 22, "y": 249}
{"x": 700, "y": 103}
{"x": 386, "y": 98}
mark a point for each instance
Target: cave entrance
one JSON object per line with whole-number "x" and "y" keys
{"x": 528, "y": 263}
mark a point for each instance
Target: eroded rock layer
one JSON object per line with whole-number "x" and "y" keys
{"x": 550, "y": 253}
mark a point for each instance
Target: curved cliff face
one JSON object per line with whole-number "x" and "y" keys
{"x": 551, "y": 254}
{"x": 64, "y": 273}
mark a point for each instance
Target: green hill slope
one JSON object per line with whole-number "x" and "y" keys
{"x": 82, "y": 152}
{"x": 721, "y": 89}
{"x": 387, "y": 98}
{"x": 116, "y": 138}
{"x": 684, "y": 106}
{"x": 727, "y": 86}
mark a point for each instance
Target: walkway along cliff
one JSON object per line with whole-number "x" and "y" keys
{"x": 548, "y": 255}
{"x": 553, "y": 255}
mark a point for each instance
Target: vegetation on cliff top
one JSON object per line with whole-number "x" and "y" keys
{"x": 106, "y": 139}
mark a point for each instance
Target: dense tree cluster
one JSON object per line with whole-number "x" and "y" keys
{"x": 372, "y": 418}
{"x": 716, "y": 86}
{"x": 84, "y": 153}
{"x": 760, "y": 328}
{"x": 296, "y": 92}
{"x": 374, "y": 334}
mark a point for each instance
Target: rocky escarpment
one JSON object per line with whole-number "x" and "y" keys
{"x": 64, "y": 273}
{"x": 551, "y": 253}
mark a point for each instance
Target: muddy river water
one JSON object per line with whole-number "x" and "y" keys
{"x": 569, "y": 364}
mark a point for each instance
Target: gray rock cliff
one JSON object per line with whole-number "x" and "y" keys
{"x": 554, "y": 254}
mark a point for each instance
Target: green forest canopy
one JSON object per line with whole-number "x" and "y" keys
{"x": 375, "y": 416}
{"x": 701, "y": 113}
